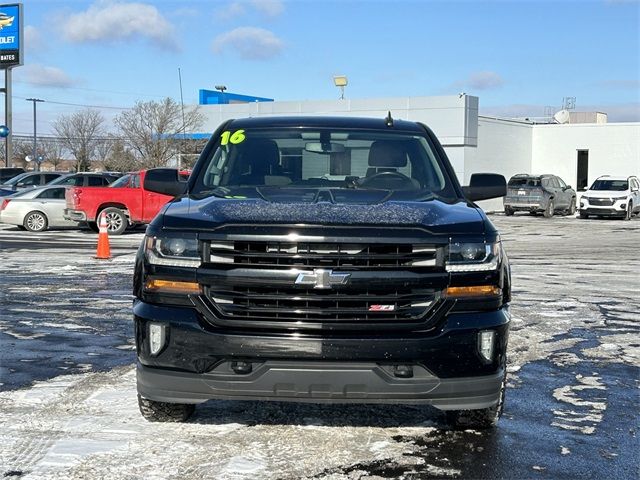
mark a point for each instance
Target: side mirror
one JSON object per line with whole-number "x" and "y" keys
{"x": 165, "y": 181}
{"x": 484, "y": 186}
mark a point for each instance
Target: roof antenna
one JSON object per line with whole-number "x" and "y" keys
{"x": 389, "y": 120}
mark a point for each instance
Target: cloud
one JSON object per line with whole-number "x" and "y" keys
{"x": 234, "y": 9}
{"x": 484, "y": 80}
{"x": 33, "y": 39}
{"x": 270, "y": 8}
{"x": 112, "y": 22}
{"x": 251, "y": 43}
{"x": 44, "y": 76}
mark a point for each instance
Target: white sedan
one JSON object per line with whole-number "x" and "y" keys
{"x": 36, "y": 209}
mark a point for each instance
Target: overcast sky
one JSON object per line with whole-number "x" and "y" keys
{"x": 517, "y": 56}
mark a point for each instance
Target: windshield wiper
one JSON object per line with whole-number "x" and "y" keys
{"x": 219, "y": 192}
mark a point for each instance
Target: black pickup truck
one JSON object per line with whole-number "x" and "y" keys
{"x": 322, "y": 259}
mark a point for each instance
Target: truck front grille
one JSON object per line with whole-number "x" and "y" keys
{"x": 292, "y": 304}
{"x": 601, "y": 202}
{"x": 261, "y": 254}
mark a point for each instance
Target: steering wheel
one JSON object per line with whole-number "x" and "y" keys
{"x": 383, "y": 177}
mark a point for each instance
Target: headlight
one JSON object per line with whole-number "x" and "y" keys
{"x": 172, "y": 251}
{"x": 617, "y": 199}
{"x": 473, "y": 257}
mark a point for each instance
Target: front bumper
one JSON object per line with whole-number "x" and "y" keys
{"x": 603, "y": 211}
{"x": 196, "y": 363}
{"x": 321, "y": 382}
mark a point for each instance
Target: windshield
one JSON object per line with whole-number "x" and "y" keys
{"x": 615, "y": 185}
{"x": 121, "y": 182}
{"x": 296, "y": 164}
{"x": 17, "y": 179}
{"x": 66, "y": 180}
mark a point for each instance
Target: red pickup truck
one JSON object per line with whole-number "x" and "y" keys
{"x": 125, "y": 202}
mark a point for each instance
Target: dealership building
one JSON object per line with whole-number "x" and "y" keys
{"x": 579, "y": 151}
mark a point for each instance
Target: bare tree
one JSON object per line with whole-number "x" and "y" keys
{"x": 103, "y": 150}
{"x": 80, "y": 133}
{"x": 51, "y": 150}
{"x": 120, "y": 159}
{"x": 153, "y": 130}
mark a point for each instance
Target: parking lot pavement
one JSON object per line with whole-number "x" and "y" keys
{"x": 68, "y": 406}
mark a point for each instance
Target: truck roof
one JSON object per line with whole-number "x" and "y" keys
{"x": 326, "y": 121}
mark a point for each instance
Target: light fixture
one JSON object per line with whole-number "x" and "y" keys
{"x": 156, "y": 337}
{"x": 220, "y": 88}
{"x": 340, "y": 81}
{"x": 486, "y": 342}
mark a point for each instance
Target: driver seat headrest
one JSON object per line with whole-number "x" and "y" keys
{"x": 387, "y": 153}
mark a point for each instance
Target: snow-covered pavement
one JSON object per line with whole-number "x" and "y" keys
{"x": 67, "y": 384}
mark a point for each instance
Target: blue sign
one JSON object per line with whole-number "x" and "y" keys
{"x": 10, "y": 35}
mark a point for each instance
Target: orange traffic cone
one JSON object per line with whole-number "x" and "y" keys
{"x": 104, "y": 251}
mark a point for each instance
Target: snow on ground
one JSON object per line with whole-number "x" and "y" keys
{"x": 575, "y": 309}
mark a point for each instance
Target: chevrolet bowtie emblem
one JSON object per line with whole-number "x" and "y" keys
{"x": 321, "y": 278}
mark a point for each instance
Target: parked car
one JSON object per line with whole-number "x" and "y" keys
{"x": 611, "y": 197}
{"x": 126, "y": 203}
{"x": 7, "y": 173}
{"x": 546, "y": 194}
{"x": 36, "y": 209}
{"x": 27, "y": 180}
{"x": 87, "y": 179}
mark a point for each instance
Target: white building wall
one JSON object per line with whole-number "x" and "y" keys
{"x": 614, "y": 149}
{"x": 504, "y": 147}
{"x": 454, "y": 119}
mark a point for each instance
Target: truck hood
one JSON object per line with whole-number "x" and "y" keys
{"x": 605, "y": 193}
{"x": 434, "y": 215}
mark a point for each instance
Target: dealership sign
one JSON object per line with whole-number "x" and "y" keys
{"x": 10, "y": 35}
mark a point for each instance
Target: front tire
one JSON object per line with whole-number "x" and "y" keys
{"x": 549, "y": 211}
{"x": 35, "y": 222}
{"x": 508, "y": 211}
{"x": 572, "y": 207}
{"x": 117, "y": 221}
{"x": 154, "y": 411}
{"x": 629, "y": 212}
{"x": 481, "y": 419}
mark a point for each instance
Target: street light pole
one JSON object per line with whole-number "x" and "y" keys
{"x": 35, "y": 134}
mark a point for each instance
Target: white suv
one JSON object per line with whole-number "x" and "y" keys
{"x": 611, "y": 197}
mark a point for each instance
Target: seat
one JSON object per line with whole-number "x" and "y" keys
{"x": 256, "y": 158}
{"x": 388, "y": 156}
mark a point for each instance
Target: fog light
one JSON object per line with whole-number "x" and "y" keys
{"x": 156, "y": 337}
{"x": 486, "y": 341}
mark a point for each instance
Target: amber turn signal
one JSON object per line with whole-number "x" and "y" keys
{"x": 473, "y": 291}
{"x": 171, "y": 286}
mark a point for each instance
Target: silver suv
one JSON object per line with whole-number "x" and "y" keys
{"x": 546, "y": 194}
{"x": 611, "y": 197}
